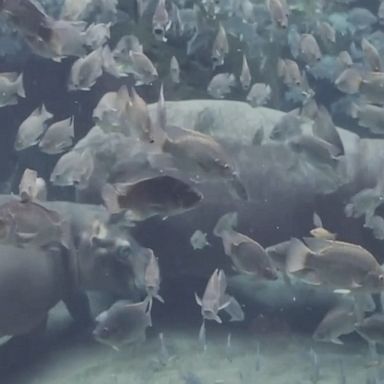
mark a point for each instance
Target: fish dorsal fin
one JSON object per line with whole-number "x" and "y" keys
{"x": 317, "y": 222}
{"x": 101, "y": 316}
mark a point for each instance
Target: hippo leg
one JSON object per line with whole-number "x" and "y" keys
{"x": 77, "y": 303}
{"x": 23, "y": 349}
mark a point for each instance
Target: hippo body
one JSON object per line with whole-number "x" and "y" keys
{"x": 31, "y": 283}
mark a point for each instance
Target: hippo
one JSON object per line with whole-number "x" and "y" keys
{"x": 32, "y": 281}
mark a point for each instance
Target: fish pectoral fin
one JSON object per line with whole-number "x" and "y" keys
{"x": 217, "y": 319}
{"x": 198, "y": 300}
{"x": 26, "y": 236}
{"x": 342, "y": 291}
{"x": 336, "y": 340}
{"x": 355, "y": 285}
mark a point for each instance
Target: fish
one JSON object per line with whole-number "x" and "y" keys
{"x": 327, "y": 32}
{"x": 174, "y": 70}
{"x": 288, "y": 127}
{"x": 97, "y": 35}
{"x": 28, "y": 17}
{"x": 123, "y": 323}
{"x": 161, "y": 22}
{"x": 26, "y": 223}
{"x": 315, "y": 366}
{"x": 349, "y": 81}
{"x": 214, "y": 298}
{"x": 319, "y": 231}
{"x": 85, "y": 71}
{"x": 338, "y": 265}
{"x": 32, "y": 128}
{"x": 73, "y": 169}
{"x": 202, "y": 338}
{"x": 372, "y": 328}
{"x": 314, "y": 148}
{"x": 325, "y": 129}
{"x": 369, "y": 116}
{"x": 152, "y": 277}
{"x": 278, "y": 12}
{"x": 150, "y": 196}
{"x": 199, "y": 240}
{"x": 221, "y": 84}
{"x": 339, "y": 320}
{"x": 234, "y": 310}
{"x": 259, "y": 94}
{"x": 140, "y": 66}
{"x": 245, "y": 77}
{"x": 228, "y": 347}
{"x": 247, "y": 255}
{"x": 11, "y": 87}
{"x": 74, "y": 10}
{"x": 137, "y": 115}
{"x": 126, "y": 44}
{"x": 220, "y": 47}
{"x": 28, "y": 185}
{"x": 371, "y": 55}
{"x": 58, "y": 137}
{"x": 109, "y": 111}
{"x": 201, "y": 153}
{"x": 289, "y": 71}
{"x": 309, "y": 49}
{"x": 345, "y": 59}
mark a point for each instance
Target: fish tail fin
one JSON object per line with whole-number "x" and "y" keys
{"x": 226, "y": 223}
{"x": 110, "y": 198}
{"x": 297, "y": 257}
{"x": 20, "y": 86}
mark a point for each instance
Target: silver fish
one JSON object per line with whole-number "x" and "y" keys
{"x": 199, "y": 240}
{"x": 221, "y": 84}
{"x": 32, "y": 128}
{"x": 85, "y": 71}
{"x": 58, "y": 137}
{"x": 245, "y": 75}
{"x": 73, "y": 168}
{"x": 259, "y": 94}
{"x": 174, "y": 70}
{"x": 11, "y": 86}
{"x": 214, "y": 298}
{"x": 123, "y": 323}
{"x": 338, "y": 321}
{"x": 220, "y": 47}
{"x": 160, "y": 21}
{"x": 152, "y": 277}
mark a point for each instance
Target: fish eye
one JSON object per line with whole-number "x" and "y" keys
{"x": 381, "y": 278}
{"x": 158, "y": 31}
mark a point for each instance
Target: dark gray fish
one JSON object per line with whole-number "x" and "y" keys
{"x": 339, "y": 265}
{"x": 151, "y": 196}
{"x": 372, "y": 328}
{"x": 248, "y": 256}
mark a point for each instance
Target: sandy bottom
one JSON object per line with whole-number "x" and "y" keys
{"x": 284, "y": 359}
